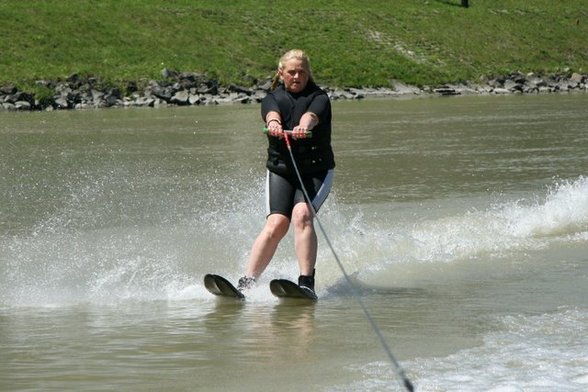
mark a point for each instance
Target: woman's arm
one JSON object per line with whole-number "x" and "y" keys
{"x": 273, "y": 123}
{"x": 308, "y": 121}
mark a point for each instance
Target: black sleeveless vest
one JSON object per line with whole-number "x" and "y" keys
{"x": 312, "y": 154}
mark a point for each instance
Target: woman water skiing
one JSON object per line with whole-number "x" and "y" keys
{"x": 299, "y": 105}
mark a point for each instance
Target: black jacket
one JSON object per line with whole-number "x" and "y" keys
{"x": 313, "y": 154}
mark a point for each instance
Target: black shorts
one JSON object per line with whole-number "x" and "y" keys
{"x": 283, "y": 193}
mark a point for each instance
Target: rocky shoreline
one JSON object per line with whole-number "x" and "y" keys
{"x": 188, "y": 88}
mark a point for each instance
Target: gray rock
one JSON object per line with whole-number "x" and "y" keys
{"x": 61, "y": 102}
{"x": 97, "y": 95}
{"x": 22, "y": 105}
{"x": 164, "y": 93}
{"x": 8, "y": 89}
{"x": 239, "y": 89}
{"x": 404, "y": 89}
{"x": 535, "y": 81}
{"x": 562, "y": 86}
{"x": 513, "y": 85}
{"x": 577, "y": 78}
{"x": 111, "y": 100}
{"x": 168, "y": 73}
{"x": 446, "y": 90}
{"x": 496, "y": 83}
{"x": 182, "y": 97}
{"x": 194, "y": 99}
{"x": 144, "y": 102}
{"x": 207, "y": 88}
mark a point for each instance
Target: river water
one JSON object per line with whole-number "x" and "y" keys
{"x": 462, "y": 221}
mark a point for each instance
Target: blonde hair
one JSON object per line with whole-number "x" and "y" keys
{"x": 289, "y": 55}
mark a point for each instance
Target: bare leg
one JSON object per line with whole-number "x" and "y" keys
{"x": 305, "y": 240}
{"x": 264, "y": 247}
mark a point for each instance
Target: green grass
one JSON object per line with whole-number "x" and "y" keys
{"x": 351, "y": 43}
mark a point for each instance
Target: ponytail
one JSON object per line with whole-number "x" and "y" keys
{"x": 275, "y": 81}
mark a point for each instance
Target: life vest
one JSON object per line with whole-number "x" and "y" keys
{"x": 312, "y": 154}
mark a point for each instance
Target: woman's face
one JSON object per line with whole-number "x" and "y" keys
{"x": 295, "y": 75}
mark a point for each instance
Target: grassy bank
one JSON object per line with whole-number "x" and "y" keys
{"x": 351, "y": 43}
